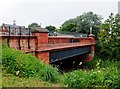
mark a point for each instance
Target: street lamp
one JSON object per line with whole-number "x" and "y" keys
{"x": 91, "y": 24}
{"x": 90, "y": 29}
{"x": 82, "y": 28}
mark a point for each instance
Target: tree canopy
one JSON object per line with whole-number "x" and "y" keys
{"x": 33, "y": 26}
{"x": 83, "y": 23}
{"x": 51, "y": 28}
{"x": 109, "y": 37}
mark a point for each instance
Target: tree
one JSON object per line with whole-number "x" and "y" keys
{"x": 51, "y": 28}
{"x": 83, "y": 23}
{"x": 87, "y": 20}
{"x": 109, "y": 38}
{"x": 69, "y": 26}
{"x": 33, "y": 26}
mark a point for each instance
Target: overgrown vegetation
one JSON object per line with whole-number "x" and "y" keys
{"x": 100, "y": 73}
{"x": 26, "y": 65}
{"x": 108, "y": 44}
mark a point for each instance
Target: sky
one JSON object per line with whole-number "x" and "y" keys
{"x": 52, "y": 12}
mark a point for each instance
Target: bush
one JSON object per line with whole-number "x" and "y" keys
{"x": 100, "y": 73}
{"x": 26, "y": 65}
{"x": 112, "y": 79}
{"x": 99, "y": 63}
{"x": 108, "y": 45}
{"x": 94, "y": 78}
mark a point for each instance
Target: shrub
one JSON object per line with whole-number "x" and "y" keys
{"x": 99, "y": 63}
{"x": 75, "y": 79}
{"x": 27, "y": 65}
{"x": 103, "y": 73}
{"x": 95, "y": 78}
{"x": 112, "y": 78}
{"x": 109, "y": 38}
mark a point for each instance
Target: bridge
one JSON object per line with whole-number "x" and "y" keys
{"x": 51, "y": 49}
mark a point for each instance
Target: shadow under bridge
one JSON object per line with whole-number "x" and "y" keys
{"x": 62, "y": 55}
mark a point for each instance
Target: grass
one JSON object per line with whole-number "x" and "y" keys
{"x": 106, "y": 77}
{"x": 10, "y": 80}
{"x": 99, "y": 73}
{"x": 27, "y": 65}
{"x": 25, "y": 70}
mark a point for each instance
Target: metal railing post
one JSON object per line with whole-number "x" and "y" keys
{"x": 8, "y": 40}
{"x": 29, "y": 38}
{"x": 19, "y": 38}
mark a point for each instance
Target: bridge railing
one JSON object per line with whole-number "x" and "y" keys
{"x": 58, "y": 40}
{"x": 67, "y": 33}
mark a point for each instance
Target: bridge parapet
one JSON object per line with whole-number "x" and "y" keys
{"x": 14, "y": 42}
{"x": 57, "y": 40}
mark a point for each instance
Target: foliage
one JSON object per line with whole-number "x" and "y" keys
{"x": 10, "y": 80}
{"x": 105, "y": 75}
{"x": 109, "y": 38}
{"x": 83, "y": 23}
{"x": 34, "y": 26}
{"x": 51, "y": 28}
{"x": 26, "y": 65}
{"x": 86, "y": 20}
{"x": 100, "y": 72}
{"x": 69, "y": 25}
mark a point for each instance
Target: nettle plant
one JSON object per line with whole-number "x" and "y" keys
{"x": 109, "y": 38}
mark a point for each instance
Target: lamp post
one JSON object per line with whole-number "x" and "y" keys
{"x": 90, "y": 29}
{"x": 82, "y": 28}
{"x": 91, "y": 24}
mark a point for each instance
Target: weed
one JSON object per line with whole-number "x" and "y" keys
{"x": 26, "y": 65}
{"x": 104, "y": 74}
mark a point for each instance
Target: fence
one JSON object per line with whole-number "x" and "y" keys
{"x": 66, "y": 33}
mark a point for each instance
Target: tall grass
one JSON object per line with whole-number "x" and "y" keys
{"x": 100, "y": 73}
{"x": 27, "y": 65}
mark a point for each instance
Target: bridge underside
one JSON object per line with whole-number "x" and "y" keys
{"x": 63, "y": 54}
